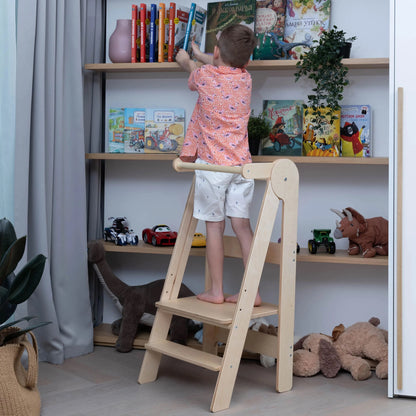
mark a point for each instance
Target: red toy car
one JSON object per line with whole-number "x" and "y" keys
{"x": 159, "y": 235}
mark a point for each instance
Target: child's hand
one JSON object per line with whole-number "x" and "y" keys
{"x": 184, "y": 61}
{"x": 195, "y": 50}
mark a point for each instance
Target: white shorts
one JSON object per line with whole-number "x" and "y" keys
{"x": 220, "y": 194}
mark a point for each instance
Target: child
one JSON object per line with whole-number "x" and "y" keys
{"x": 217, "y": 134}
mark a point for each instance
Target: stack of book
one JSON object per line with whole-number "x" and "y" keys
{"x": 160, "y": 30}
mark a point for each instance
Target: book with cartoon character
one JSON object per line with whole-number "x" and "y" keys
{"x": 285, "y": 118}
{"x": 356, "y": 131}
{"x": 305, "y": 21}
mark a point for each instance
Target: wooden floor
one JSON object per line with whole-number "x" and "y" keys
{"x": 105, "y": 383}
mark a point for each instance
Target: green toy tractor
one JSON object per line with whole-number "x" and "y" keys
{"x": 321, "y": 237}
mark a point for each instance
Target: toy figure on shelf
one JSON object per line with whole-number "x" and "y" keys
{"x": 120, "y": 233}
{"x": 368, "y": 236}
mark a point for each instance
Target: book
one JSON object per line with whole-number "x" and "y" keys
{"x": 181, "y": 21}
{"x": 305, "y": 21}
{"x": 134, "y": 33}
{"x": 162, "y": 44}
{"x": 164, "y": 130}
{"x": 186, "y": 41}
{"x": 221, "y": 14}
{"x": 322, "y": 141}
{"x": 356, "y": 131}
{"x": 171, "y": 37}
{"x": 116, "y": 130}
{"x": 134, "y": 127}
{"x": 143, "y": 32}
{"x": 153, "y": 33}
{"x": 197, "y": 28}
{"x": 269, "y": 29}
{"x": 286, "y": 120}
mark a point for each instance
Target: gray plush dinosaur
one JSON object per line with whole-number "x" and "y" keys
{"x": 135, "y": 301}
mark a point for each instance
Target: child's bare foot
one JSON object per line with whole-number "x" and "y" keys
{"x": 234, "y": 299}
{"x": 209, "y": 296}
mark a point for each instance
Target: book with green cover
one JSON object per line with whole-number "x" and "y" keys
{"x": 221, "y": 14}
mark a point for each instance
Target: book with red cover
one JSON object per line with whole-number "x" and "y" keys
{"x": 171, "y": 38}
{"x": 181, "y": 21}
{"x": 142, "y": 32}
{"x": 134, "y": 33}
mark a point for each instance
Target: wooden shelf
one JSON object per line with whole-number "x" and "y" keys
{"x": 340, "y": 257}
{"x": 256, "y": 159}
{"x": 354, "y": 63}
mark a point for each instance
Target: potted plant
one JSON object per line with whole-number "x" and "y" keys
{"x": 258, "y": 128}
{"x": 322, "y": 64}
{"x": 20, "y": 385}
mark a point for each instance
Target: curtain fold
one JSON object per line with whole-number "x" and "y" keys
{"x": 50, "y": 183}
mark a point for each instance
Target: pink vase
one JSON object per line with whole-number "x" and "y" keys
{"x": 119, "y": 45}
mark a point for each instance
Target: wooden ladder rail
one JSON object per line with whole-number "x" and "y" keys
{"x": 282, "y": 184}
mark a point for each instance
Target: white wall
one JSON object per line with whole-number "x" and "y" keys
{"x": 150, "y": 192}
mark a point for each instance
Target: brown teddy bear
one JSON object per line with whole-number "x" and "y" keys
{"x": 353, "y": 349}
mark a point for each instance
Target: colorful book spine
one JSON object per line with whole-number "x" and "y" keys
{"x": 152, "y": 40}
{"x": 171, "y": 39}
{"x": 133, "y": 33}
{"x": 142, "y": 32}
{"x": 161, "y": 44}
{"x": 181, "y": 21}
{"x": 189, "y": 26}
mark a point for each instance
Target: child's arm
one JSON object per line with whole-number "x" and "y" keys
{"x": 201, "y": 57}
{"x": 185, "y": 62}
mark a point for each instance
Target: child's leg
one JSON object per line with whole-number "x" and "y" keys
{"x": 215, "y": 258}
{"x": 242, "y": 229}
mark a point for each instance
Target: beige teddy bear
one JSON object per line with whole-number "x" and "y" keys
{"x": 354, "y": 349}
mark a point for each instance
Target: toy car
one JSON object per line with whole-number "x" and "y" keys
{"x": 199, "y": 240}
{"x": 159, "y": 235}
{"x": 119, "y": 232}
{"x": 321, "y": 237}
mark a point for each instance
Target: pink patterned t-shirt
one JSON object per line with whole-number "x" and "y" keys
{"x": 217, "y": 131}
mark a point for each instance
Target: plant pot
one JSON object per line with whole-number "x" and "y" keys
{"x": 18, "y": 386}
{"x": 119, "y": 45}
{"x": 254, "y": 145}
{"x": 346, "y": 50}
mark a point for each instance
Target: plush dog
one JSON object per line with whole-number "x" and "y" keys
{"x": 135, "y": 301}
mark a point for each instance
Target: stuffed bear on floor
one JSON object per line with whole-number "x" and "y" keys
{"x": 135, "y": 301}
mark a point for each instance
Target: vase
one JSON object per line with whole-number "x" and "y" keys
{"x": 119, "y": 46}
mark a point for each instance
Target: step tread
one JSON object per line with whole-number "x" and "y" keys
{"x": 215, "y": 314}
{"x": 185, "y": 353}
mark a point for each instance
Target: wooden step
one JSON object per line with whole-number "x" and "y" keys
{"x": 218, "y": 315}
{"x": 188, "y": 354}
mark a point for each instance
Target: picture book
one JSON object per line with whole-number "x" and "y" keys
{"x": 305, "y": 21}
{"x": 171, "y": 29}
{"x": 162, "y": 45}
{"x": 286, "y": 121}
{"x": 116, "y": 130}
{"x": 197, "y": 27}
{"x": 143, "y": 32}
{"x": 221, "y": 14}
{"x": 322, "y": 141}
{"x": 356, "y": 131}
{"x": 133, "y": 133}
{"x": 164, "y": 130}
{"x": 153, "y": 34}
{"x": 134, "y": 50}
{"x": 181, "y": 21}
{"x": 269, "y": 30}
{"x": 191, "y": 16}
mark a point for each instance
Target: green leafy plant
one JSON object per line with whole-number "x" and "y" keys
{"x": 258, "y": 128}
{"x": 322, "y": 64}
{"x": 16, "y": 288}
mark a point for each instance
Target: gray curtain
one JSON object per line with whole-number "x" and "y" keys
{"x": 92, "y": 44}
{"x": 50, "y": 185}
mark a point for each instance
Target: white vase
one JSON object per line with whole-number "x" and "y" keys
{"x": 119, "y": 45}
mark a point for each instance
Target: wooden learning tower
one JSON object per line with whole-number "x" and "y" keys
{"x": 229, "y": 322}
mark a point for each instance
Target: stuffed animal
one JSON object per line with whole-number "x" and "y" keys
{"x": 135, "y": 301}
{"x": 315, "y": 353}
{"x": 354, "y": 349}
{"x": 368, "y": 236}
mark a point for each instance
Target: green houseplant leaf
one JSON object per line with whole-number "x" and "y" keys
{"x": 11, "y": 258}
